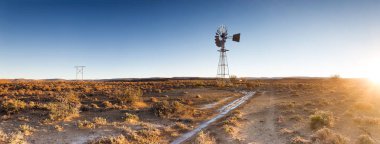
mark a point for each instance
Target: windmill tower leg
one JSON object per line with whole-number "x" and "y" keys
{"x": 223, "y": 71}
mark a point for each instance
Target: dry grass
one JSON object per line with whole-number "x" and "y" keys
{"x": 327, "y": 136}
{"x": 367, "y": 121}
{"x": 364, "y": 139}
{"x": 176, "y": 109}
{"x": 128, "y": 95}
{"x": 100, "y": 121}
{"x": 85, "y": 124}
{"x": 204, "y": 138}
{"x": 3, "y": 137}
{"x": 299, "y": 140}
{"x": 16, "y": 138}
{"x": 131, "y": 118}
{"x": 62, "y": 111}
{"x": 110, "y": 140}
{"x": 58, "y": 128}
{"x": 321, "y": 119}
{"x": 26, "y": 129}
{"x": 11, "y": 106}
{"x": 182, "y": 127}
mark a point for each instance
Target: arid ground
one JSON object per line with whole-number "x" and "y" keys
{"x": 325, "y": 110}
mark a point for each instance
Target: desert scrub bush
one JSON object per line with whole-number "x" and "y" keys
{"x": 3, "y": 137}
{"x": 149, "y": 135}
{"x": 110, "y": 140}
{"x": 131, "y": 118}
{"x": 145, "y": 135}
{"x": 100, "y": 121}
{"x": 320, "y": 119}
{"x": 167, "y": 109}
{"x": 61, "y": 111}
{"x": 327, "y": 136}
{"x": 181, "y": 126}
{"x": 85, "y": 124}
{"x": 299, "y": 140}
{"x": 107, "y": 104}
{"x": 11, "y": 106}
{"x": 58, "y": 128}
{"x": 364, "y": 139}
{"x": 16, "y": 138}
{"x": 128, "y": 95}
{"x": 204, "y": 138}
{"x": 26, "y": 129}
{"x": 367, "y": 120}
{"x": 68, "y": 98}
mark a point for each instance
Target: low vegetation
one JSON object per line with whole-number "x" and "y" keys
{"x": 11, "y": 106}
{"x": 176, "y": 109}
{"x": 321, "y": 119}
{"x": 327, "y": 136}
{"x": 204, "y": 138}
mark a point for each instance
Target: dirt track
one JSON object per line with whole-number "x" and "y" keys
{"x": 260, "y": 119}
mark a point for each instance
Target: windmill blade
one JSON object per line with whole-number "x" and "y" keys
{"x": 236, "y": 37}
{"x": 218, "y": 43}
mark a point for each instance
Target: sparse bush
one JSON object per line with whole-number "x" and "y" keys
{"x": 320, "y": 119}
{"x": 365, "y": 139}
{"x": 367, "y": 120}
{"x": 153, "y": 99}
{"x": 61, "y": 111}
{"x": 58, "y": 128}
{"x": 107, "y": 104}
{"x": 167, "y": 109}
{"x": 181, "y": 126}
{"x": 299, "y": 140}
{"x": 26, "y": 129}
{"x": 100, "y": 121}
{"x": 11, "y": 106}
{"x": 85, "y": 124}
{"x": 149, "y": 135}
{"x": 3, "y": 137}
{"x": 16, "y": 138}
{"x": 110, "y": 140}
{"x": 327, "y": 136}
{"x": 204, "y": 138}
{"x": 131, "y": 118}
{"x": 129, "y": 95}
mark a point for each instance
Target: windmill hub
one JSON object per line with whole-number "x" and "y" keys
{"x": 220, "y": 40}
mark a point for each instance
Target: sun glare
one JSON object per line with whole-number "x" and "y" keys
{"x": 373, "y": 71}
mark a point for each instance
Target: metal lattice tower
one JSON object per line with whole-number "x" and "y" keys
{"x": 220, "y": 40}
{"x": 79, "y": 72}
{"x": 223, "y": 71}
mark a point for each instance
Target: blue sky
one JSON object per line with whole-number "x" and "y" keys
{"x": 159, "y": 38}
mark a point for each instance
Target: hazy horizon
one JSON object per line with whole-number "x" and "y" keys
{"x": 41, "y": 39}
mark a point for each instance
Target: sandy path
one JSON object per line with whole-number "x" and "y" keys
{"x": 222, "y": 113}
{"x": 260, "y": 124}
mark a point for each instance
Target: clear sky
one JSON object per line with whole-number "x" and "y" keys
{"x": 159, "y": 38}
